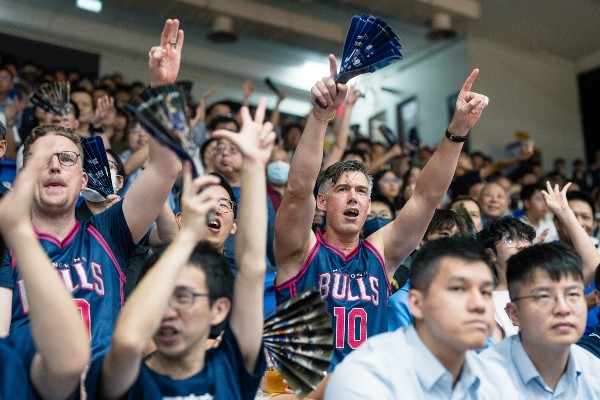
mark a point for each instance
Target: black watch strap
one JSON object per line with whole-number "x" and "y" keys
{"x": 454, "y": 138}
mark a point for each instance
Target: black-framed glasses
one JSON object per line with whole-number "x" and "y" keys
{"x": 183, "y": 299}
{"x": 513, "y": 241}
{"x": 547, "y": 300}
{"x": 66, "y": 158}
{"x": 382, "y": 214}
{"x": 225, "y": 206}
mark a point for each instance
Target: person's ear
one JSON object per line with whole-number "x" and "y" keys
{"x": 84, "y": 181}
{"x": 178, "y": 219}
{"x": 415, "y": 303}
{"x": 513, "y": 313}
{"x": 219, "y": 310}
{"x": 234, "y": 227}
{"x": 597, "y": 296}
{"x": 3, "y": 147}
{"x": 322, "y": 202}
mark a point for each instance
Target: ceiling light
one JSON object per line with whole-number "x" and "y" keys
{"x": 222, "y": 30}
{"x": 90, "y": 5}
{"x": 441, "y": 27}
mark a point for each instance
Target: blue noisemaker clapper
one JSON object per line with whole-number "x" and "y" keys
{"x": 95, "y": 165}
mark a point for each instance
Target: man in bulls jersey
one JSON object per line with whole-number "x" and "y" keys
{"x": 89, "y": 255}
{"x": 61, "y": 350}
{"x": 352, "y": 275}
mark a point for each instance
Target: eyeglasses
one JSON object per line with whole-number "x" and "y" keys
{"x": 220, "y": 149}
{"x": 383, "y": 214}
{"x": 183, "y": 299}
{"x": 391, "y": 180}
{"x": 225, "y": 206}
{"x": 510, "y": 241}
{"x": 65, "y": 158}
{"x": 113, "y": 165}
{"x": 548, "y": 300}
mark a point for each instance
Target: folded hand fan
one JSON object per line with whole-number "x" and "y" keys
{"x": 53, "y": 97}
{"x": 299, "y": 341}
{"x": 389, "y": 135}
{"x": 95, "y": 165}
{"x": 186, "y": 87}
{"x": 161, "y": 111}
{"x": 371, "y": 44}
{"x": 272, "y": 86}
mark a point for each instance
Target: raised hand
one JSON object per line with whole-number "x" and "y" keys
{"x": 353, "y": 95}
{"x": 256, "y": 137}
{"x": 328, "y": 93}
{"x": 556, "y": 199}
{"x": 164, "y": 59}
{"x": 15, "y": 207}
{"x": 195, "y": 202}
{"x": 469, "y": 107}
{"x": 103, "y": 104}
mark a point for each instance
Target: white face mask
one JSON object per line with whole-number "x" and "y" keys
{"x": 277, "y": 172}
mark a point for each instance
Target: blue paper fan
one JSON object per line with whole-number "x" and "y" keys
{"x": 95, "y": 165}
{"x": 299, "y": 340}
{"x": 53, "y": 97}
{"x": 371, "y": 44}
{"x": 161, "y": 111}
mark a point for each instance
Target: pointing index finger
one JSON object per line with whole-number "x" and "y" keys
{"x": 469, "y": 82}
{"x": 332, "y": 66}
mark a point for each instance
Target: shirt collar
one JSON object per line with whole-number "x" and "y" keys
{"x": 430, "y": 371}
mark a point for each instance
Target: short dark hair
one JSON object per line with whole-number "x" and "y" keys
{"x": 444, "y": 220}
{"x": 597, "y": 277}
{"x": 554, "y": 259}
{"x": 224, "y": 183}
{"x": 382, "y": 199}
{"x": 426, "y": 262}
{"x": 221, "y": 119}
{"x": 359, "y": 152}
{"x": 2, "y": 131}
{"x": 582, "y": 196}
{"x": 496, "y": 228}
{"x": 206, "y": 143}
{"x": 333, "y": 173}
{"x": 527, "y": 191}
{"x": 219, "y": 278}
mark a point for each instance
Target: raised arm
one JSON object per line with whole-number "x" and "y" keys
{"x": 255, "y": 142}
{"x": 556, "y": 201}
{"x": 166, "y": 227}
{"x": 293, "y": 236}
{"x": 342, "y": 129}
{"x": 150, "y": 190}
{"x": 144, "y": 310}
{"x": 58, "y": 333}
{"x": 398, "y": 239}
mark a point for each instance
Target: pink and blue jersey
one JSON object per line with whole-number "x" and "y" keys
{"x": 354, "y": 287}
{"x": 14, "y": 374}
{"x": 90, "y": 260}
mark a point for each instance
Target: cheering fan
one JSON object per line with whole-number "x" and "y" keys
{"x": 161, "y": 111}
{"x": 299, "y": 341}
{"x": 53, "y": 97}
{"x": 95, "y": 165}
{"x": 371, "y": 44}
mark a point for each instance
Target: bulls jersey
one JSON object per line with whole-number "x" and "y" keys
{"x": 355, "y": 287}
{"x": 90, "y": 260}
{"x": 224, "y": 377}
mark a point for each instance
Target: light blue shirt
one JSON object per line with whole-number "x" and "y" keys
{"x": 581, "y": 379}
{"x": 398, "y": 313}
{"x": 398, "y": 365}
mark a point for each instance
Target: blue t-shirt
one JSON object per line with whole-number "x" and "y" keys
{"x": 224, "y": 377}
{"x": 90, "y": 261}
{"x": 354, "y": 287}
{"x": 14, "y": 374}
